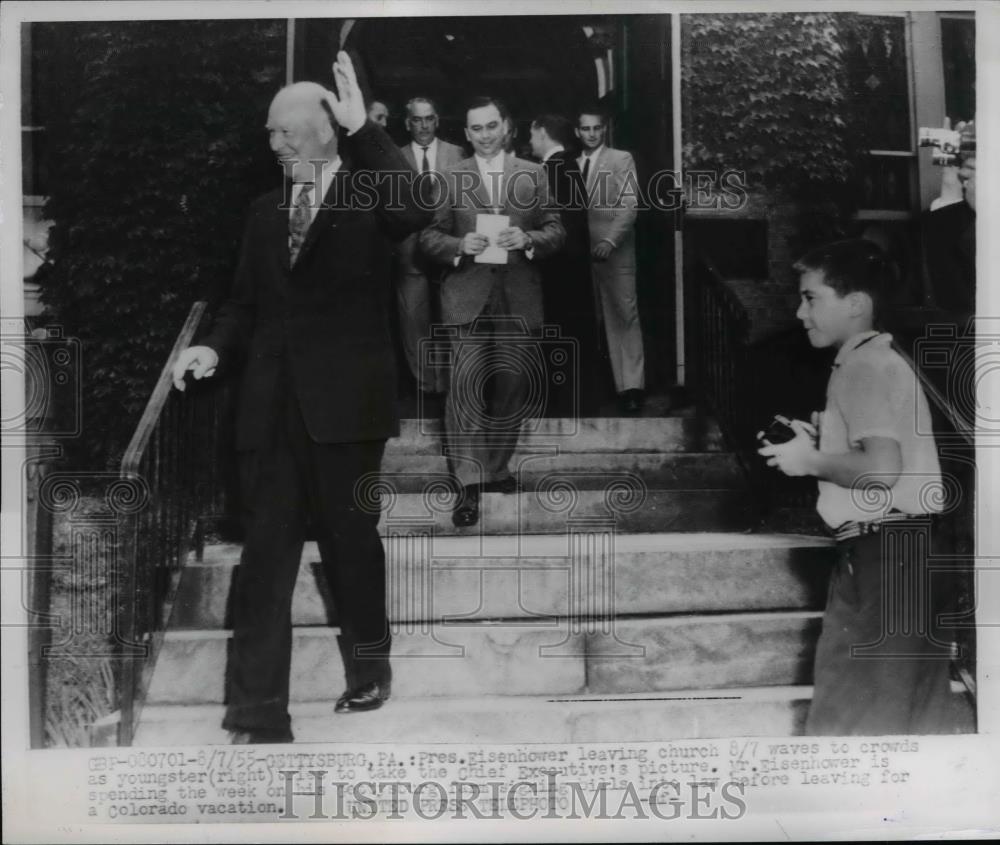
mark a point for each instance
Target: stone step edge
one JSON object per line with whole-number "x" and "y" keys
{"x": 703, "y": 417}
{"x": 521, "y": 703}
{"x": 222, "y": 554}
{"x": 677, "y": 620}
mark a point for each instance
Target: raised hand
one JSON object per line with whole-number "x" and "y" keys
{"x": 347, "y": 104}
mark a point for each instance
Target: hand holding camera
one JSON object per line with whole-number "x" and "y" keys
{"x": 950, "y": 145}
{"x": 789, "y": 444}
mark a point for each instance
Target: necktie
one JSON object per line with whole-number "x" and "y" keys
{"x": 426, "y": 166}
{"x": 298, "y": 223}
{"x": 586, "y": 170}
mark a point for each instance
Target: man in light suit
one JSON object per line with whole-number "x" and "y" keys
{"x": 612, "y": 187}
{"x": 426, "y": 153}
{"x": 488, "y": 303}
{"x": 308, "y": 314}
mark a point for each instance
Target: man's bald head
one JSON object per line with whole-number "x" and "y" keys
{"x": 308, "y": 100}
{"x": 301, "y": 128}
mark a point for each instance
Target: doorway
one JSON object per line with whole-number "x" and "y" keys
{"x": 535, "y": 64}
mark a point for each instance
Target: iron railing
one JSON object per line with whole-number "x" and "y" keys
{"x": 173, "y": 467}
{"x": 744, "y": 383}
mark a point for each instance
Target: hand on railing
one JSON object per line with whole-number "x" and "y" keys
{"x": 201, "y": 360}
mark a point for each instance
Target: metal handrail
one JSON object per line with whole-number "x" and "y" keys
{"x": 938, "y": 400}
{"x": 172, "y": 474}
{"x": 164, "y": 384}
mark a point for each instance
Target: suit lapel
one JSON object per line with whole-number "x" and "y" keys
{"x": 278, "y": 224}
{"x": 407, "y": 151}
{"x": 509, "y": 168}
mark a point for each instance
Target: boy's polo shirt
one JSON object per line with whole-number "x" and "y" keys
{"x": 873, "y": 392}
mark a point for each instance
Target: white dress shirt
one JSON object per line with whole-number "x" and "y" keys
{"x": 491, "y": 171}
{"x": 432, "y": 154}
{"x": 319, "y": 190}
{"x": 593, "y": 162}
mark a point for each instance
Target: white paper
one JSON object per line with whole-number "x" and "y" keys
{"x": 492, "y": 225}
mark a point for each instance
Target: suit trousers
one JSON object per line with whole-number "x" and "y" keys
{"x": 614, "y": 280}
{"x": 570, "y": 306}
{"x": 295, "y": 483}
{"x": 881, "y": 665}
{"x": 494, "y": 365}
{"x": 414, "y": 294}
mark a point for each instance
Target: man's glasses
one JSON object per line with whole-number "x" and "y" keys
{"x": 422, "y": 121}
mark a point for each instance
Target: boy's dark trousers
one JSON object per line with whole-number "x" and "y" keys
{"x": 881, "y": 667}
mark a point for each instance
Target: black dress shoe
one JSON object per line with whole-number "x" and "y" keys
{"x": 506, "y": 486}
{"x": 368, "y": 696}
{"x": 260, "y": 736}
{"x": 631, "y": 401}
{"x": 466, "y": 511}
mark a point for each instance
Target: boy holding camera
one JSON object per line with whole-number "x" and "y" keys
{"x": 878, "y": 669}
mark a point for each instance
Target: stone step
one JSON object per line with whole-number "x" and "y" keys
{"x": 536, "y": 657}
{"x": 411, "y": 473}
{"x": 509, "y": 577}
{"x": 589, "y": 434}
{"x": 765, "y": 711}
{"x": 623, "y": 501}
{"x": 683, "y": 652}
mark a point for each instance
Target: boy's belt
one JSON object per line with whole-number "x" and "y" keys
{"x": 849, "y": 530}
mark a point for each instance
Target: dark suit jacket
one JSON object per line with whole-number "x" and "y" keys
{"x": 949, "y": 240}
{"x": 321, "y": 327}
{"x": 568, "y": 194}
{"x": 465, "y": 289}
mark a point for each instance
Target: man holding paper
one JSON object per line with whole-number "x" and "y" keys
{"x": 493, "y": 223}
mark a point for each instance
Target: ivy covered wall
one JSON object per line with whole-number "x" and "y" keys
{"x": 770, "y": 95}
{"x": 155, "y": 149}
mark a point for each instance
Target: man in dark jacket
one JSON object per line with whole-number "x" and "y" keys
{"x": 567, "y": 288}
{"x": 309, "y": 313}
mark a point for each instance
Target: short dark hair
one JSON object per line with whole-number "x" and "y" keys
{"x": 593, "y": 108}
{"x": 852, "y": 265}
{"x": 414, "y": 100}
{"x": 482, "y": 102}
{"x": 557, "y": 127}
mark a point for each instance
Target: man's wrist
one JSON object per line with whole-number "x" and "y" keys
{"x": 352, "y": 130}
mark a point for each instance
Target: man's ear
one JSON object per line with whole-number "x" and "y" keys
{"x": 576, "y": 131}
{"x": 859, "y": 303}
{"x": 326, "y": 132}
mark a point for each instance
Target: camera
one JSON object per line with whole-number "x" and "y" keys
{"x": 51, "y": 367}
{"x": 779, "y": 431}
{"x": 499, "y": 347}
{"x": 949, "y": 145}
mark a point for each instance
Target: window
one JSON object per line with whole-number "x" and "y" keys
{"x": 878, "y": 71}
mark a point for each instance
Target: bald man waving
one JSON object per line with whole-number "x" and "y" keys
{"x": 308, "y": 315}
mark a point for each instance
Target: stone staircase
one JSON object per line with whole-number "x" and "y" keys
{"x": 618, "y": 597}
